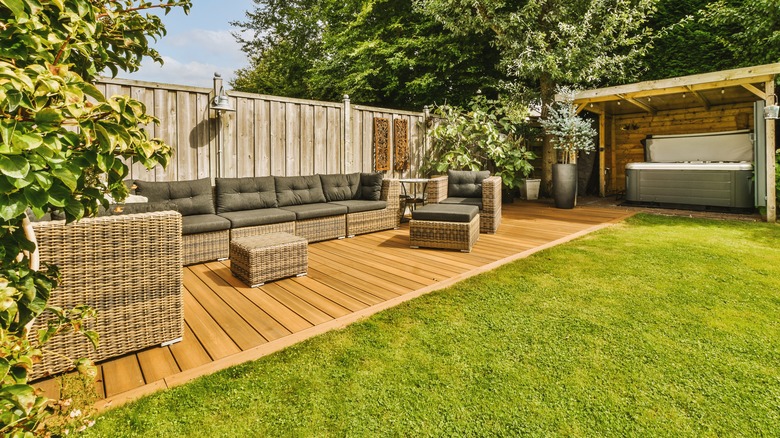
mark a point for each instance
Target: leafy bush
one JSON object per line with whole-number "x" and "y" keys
{"x": 61, "y": 147}
{"x": 487, "y": 136}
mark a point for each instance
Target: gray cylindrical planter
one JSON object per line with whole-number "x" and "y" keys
{"x": 564, "y": 178}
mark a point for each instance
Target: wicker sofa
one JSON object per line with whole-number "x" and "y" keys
{"x": 469, "y": 188}
{"x": 128, "y": 268}
{"x": 317, "y": 207}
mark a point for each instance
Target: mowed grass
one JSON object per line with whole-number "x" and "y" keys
{"x": 655, "y": 327}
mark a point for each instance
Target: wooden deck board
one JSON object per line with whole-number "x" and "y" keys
{"x": 227, "y": 322}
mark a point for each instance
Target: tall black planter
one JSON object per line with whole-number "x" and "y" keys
{"x": 564, "y": 178}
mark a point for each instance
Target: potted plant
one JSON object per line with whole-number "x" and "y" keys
{"x": 488, "y": 136}
{"x": 570, "y": 134}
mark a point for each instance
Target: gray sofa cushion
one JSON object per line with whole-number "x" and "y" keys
{"x": 312, "y": 211}
{"x": 445, "y": 213}
{"x": 360, "y": 205}
{"x": 371, "y": 186}
{"x": 191, "y": 197}
{"x": 477, "y": 202}
{"x": 263, "y": 216}
{"x": 298, "y": 190}
{"x": 465, "y": 183}
{"x": 339, "y": 187}
{"x": 238, "y": 194}
{"x": 203, "y": 223}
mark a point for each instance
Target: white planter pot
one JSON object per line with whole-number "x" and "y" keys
{"x": 531, "y": 189}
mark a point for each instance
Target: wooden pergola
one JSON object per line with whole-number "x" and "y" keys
{"x": 708, "y": 102}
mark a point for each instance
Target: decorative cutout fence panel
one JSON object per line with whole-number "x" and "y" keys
{"x": 381, "y": 144}
{"x": 401, "y": 149}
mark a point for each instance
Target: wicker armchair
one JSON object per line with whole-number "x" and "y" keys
{"x": 439, "y": 188}
{"x": 128, "y": 268}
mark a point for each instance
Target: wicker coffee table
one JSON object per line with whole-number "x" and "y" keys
{"x": 446, "y": 226}
{"x": 257, "y": 259}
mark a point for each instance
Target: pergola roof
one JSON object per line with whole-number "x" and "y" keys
{"x": 703, "y": 90}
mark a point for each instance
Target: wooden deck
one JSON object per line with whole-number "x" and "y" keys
{"x": 228, "y": 323}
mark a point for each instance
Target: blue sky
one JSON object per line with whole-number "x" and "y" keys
{"x": 197, "y": 45}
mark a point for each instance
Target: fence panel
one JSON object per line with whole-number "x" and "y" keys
{"x": 265, "y": 135}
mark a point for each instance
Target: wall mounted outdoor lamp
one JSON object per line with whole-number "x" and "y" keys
{"x": 220, "y": 104}
{"x": 772, "y": 112}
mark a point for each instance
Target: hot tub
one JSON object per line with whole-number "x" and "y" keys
{"x": 707, "y": 184}
{"x": 712, "y": 169}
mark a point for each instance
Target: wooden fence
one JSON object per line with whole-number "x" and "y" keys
{"x": 265, "y": 135}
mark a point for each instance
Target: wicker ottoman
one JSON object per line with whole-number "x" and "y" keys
{"x": 446, "y": 226}
{"x": 257, "y": 259}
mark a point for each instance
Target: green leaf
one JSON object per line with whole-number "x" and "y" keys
{"x": 4, "y": 367}
{"x": 16, "y": 7}
{"x": 49, "y": 116}
{"x": 67, "y": 175}
{"x": 25, "y": 141}
{"x": 14, "y": 166}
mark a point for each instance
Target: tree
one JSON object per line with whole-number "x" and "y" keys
{"x": 750, "y": 29}
{"x": 380, "y": 52}
{"x": 61, "y": 147}
{"x": 685, "y": 44}
{"x": 553, "y": 42}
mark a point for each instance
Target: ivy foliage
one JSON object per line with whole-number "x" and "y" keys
{"x": 64, "y": 146}
{"x": 381, "y": 52}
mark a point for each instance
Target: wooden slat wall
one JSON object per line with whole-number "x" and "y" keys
{"x": 266, "y": 135}
{"x": 629, "y": 130}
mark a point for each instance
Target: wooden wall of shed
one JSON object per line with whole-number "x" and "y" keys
{"x": 265, "y": 135}
{"x": 627, "y": 131}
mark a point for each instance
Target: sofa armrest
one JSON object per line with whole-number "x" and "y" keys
{"x": 391, "y": 191}
{"x": 436, "y": 190}
{"x": 491, "y": 194}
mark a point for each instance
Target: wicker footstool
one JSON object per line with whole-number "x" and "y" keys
{"x": 257, "y": 259}
{"x": 446, "y": 226}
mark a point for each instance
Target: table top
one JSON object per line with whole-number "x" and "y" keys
{"x": 414, "y": 180}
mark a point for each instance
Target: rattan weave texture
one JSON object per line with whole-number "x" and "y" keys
{"x": 129, "y": 268}
{"x": 444, "y": 235}
{"x": 490, "y": 214}
{"x": 206, "y": 247}
{"x": 284, "y": 227}
{"x": 322, "y": 228}
{"x": 377, "y": 220}
{"x": 257, "y": 259}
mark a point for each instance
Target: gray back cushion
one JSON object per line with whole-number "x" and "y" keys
{"x": 190, "y": 197}
{"x": 465, "y": 183}
{"x": 298, "y": 190}
{"x": 238, "y": 194}
{"x": 340, "y": 187}
{"x": 371, "y": 186}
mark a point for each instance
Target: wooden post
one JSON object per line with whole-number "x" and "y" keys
{"x": 217, "y": 163}
{"x": 348, "y": 161}
{"x": 771, "y": 198}
{"x": 426, "y": 138}
{"x": 602, "y": 155}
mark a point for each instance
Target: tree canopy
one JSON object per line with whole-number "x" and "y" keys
{"x": 377, "y": 51}
{"x": 551, "y": 42}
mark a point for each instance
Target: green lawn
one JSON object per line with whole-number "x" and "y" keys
{"x": 655, "y": 327}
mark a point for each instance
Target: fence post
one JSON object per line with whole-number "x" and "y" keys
{"x": 426, "y": 138}
{"x": 348, "y": 160}
{"x": 216, "y": 158}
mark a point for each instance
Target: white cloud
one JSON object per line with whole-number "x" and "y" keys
{"x": 198, "y": 74}
{"x": 192, "y": 57}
